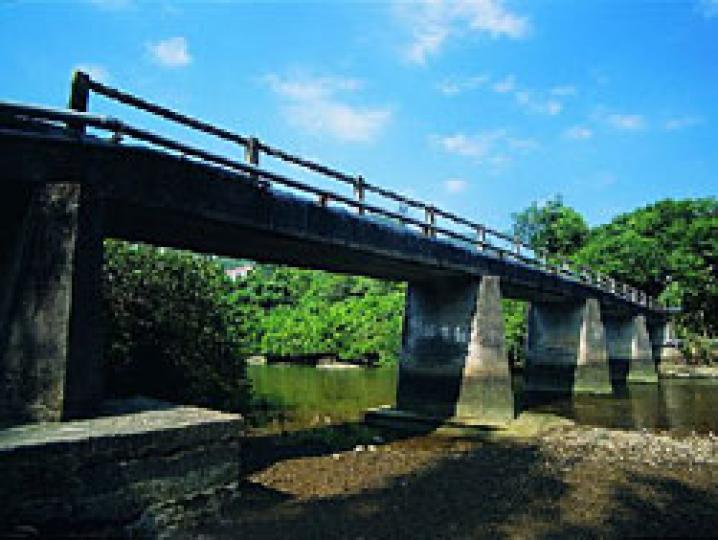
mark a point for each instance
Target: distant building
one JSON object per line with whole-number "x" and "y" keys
{"x": 238, "y": 271}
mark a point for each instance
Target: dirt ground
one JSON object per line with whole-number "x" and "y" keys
{"x": 559, "y": 480}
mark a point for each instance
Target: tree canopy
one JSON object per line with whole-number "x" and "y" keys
{"x": 551, "y": 227}
{"x": 669, "y": 249}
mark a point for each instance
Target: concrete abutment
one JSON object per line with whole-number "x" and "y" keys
{"x": 51, "y": 260}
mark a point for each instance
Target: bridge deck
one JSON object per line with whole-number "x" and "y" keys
{"x": 161, "y": 198}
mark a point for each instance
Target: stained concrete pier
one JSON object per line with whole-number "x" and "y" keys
{"x": 566, "y": 348}
{"x": 454, "y": 367}
{"x": 629, "y": 349}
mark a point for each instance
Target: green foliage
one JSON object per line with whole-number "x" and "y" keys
{"x": 551, "y": 227}
{"x": 173, "y": 330}
{"x": 316, "y": 312}
{"x": 515, "y": 329}
{"x": 669, "y": 249}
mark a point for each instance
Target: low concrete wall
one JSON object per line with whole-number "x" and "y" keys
{"x": 135, "y": 474}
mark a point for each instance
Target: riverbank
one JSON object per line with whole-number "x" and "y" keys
{"x": 547, "y": 477}
{"x": 682, "y": 371}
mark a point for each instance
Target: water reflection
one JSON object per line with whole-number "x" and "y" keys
{"x": 294, "y": 397}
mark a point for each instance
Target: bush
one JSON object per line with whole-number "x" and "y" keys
{"x": 173, "y": 330}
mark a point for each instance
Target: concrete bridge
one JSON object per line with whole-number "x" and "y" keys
{"x": 66, "y": 185}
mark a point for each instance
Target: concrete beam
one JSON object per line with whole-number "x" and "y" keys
{"x": 160, "y": 198}
{"x": 454, "y": 364}
{"x": 629, "y": 350}
{"x": 566, "y": 349}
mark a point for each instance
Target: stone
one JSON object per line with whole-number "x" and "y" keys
{"x": 153, "y": 468}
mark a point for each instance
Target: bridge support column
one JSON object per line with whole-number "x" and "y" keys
{"x": 51, "y": 262}
{"x": 566, "y": 349}
{"x": 454, "y": 368}
{"x": 629, "y": 349}
{"x": 663, "y": 334}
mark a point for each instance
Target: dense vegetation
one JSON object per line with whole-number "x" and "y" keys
{"x": 172, "y": 330}
{"x": 301, "y": 312}
{"x": 669, "y": 249}
{"x": 178, "y": 325}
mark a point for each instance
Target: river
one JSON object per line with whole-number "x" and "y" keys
{"x": 297, "y": 397}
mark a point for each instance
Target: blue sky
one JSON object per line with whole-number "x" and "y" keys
{"x": 481, "y": 106}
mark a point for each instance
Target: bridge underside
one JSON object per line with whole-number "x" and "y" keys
{"x": 62, "y": 196}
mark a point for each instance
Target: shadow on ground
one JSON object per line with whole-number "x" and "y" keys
{"x": 488, "y": 488}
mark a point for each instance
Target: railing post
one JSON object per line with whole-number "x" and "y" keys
{"x": 79, "y": 98}
{"x": 430, "y": 220}
{"x": 323, "y": 200}
{"x": 481, "y": 238}
{"x": 251, "y": 155}
{"x": 359, "y": 194}
{"x": 517, "y": 246}
{"x": 251, "y": 151}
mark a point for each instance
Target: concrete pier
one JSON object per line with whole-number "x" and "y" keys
{"x": 662, "y": 334}
{"x": 454, "y": 365}
{"x": 49, "y": 300}
{"x": 629, "y": 349}
{"x": 566, "y": 349}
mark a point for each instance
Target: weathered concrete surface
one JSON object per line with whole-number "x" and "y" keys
{"x": 130, "y": 474}
{"x": 566, "y": 349}
{"x": 454, "y": 364}
{"x": 629, "y": 349}
{"x": 39, "y": 226}
{"x": 161, "y": 198}
{"x": 50, "y": 311}
{"x": 663, "y": 334}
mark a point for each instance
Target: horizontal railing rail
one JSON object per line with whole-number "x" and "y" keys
{"x": 479, "y": 237}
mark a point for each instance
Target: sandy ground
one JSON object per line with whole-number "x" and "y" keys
{"x": 540, "y": 480}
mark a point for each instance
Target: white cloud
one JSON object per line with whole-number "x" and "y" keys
{"x": 95, "y": 71}
{"x": 454, "y": 87}
{"x": 625, "y": 122}
{"x": 427, "y": 42}
{"x": 504, "y": 86}
{"x": 310, "y": 88}
{"x": 172, "y": 52}
{"x": 493, "y": 147}
{"x": 681, "y": 122}
{"x": 433, "y": 22}
{"x": 578, "y": 133}
{"x": 312, "y": 105}
{"x": 532, "y": 102}
{"x": 455, "y": 185}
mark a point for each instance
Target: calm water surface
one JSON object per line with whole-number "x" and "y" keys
{"x": 296, "y": 397}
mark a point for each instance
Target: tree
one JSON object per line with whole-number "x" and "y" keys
{"x": 174, "y": 331}
{"x": 669, "y": 249}
{"x": 550, "y": 227}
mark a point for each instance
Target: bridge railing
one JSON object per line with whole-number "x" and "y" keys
{"x": 434, "y": 221}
